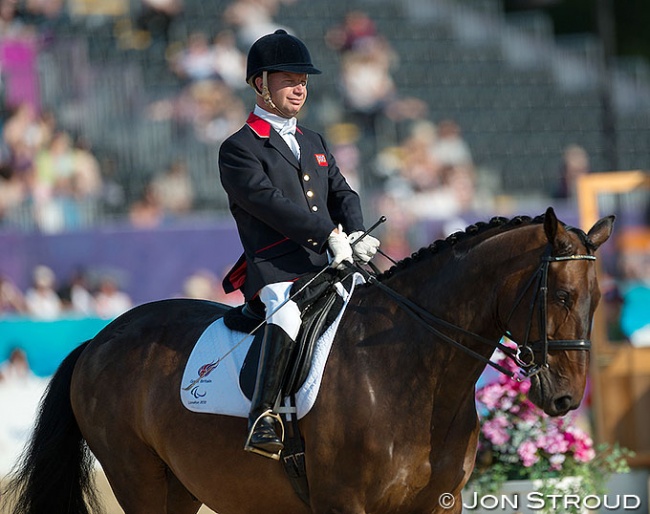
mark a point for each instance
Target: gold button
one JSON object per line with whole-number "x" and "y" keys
{"x": 314, "y": 243}
{"x": 306, "y": 178}
{"x": 314, "y": 208}
{"x": 310, "y": 193}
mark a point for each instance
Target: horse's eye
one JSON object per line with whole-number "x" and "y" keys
{"x": 563, "y": 297}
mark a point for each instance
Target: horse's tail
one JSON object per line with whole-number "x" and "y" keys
{"x": 54, "y": 475}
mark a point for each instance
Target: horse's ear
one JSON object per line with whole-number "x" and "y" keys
{"x": 601, "y": 231}
{"x": 555, "y": 232}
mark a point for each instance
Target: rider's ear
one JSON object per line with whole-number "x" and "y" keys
{"x": 601, "y": 231}
{"x": 556, "y": 234}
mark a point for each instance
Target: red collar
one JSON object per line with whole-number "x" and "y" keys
{"x": 261, "y": 127}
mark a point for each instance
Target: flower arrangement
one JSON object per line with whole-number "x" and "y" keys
{"x": 518, "y": 441}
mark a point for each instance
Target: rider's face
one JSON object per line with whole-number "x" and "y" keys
{"x": 288, "y": 91}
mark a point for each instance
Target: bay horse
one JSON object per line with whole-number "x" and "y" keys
{"x": 394, "y": 428}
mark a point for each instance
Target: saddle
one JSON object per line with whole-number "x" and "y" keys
{"x": 319, "y": 305}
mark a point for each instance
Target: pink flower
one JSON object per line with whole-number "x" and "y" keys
{"x": 552, "y": 441}
{"x": 527, "y": 451}
{"x": 495, "y": 430}
{"x": 490, "y": 395}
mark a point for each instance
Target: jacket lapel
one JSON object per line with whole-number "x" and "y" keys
{"x": 305, "y": 147}
{"x": 264, "y": 130}
{"x": 276, "y": 141}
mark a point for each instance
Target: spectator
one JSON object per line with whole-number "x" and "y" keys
{"x": 343, "y": 138}
{"x": 635, "y": 285}
{"x": 25, "y": 129}
{"x": 87, "y": 178}
{"x": 252, "y": 19}
{"x": 195, "y": 62}
{"x": 146, "y": 212}
{"x": 13, "y": 189}
{"x": 367, "y": 86}
{"x": 16, "y": 367}
{"x": 450, "y": 147}
{"x": 218, "y": 112}
{"x": 356, "y": 30}
{"x": 420, "y": 183}
{"x": 110, "y": 301}
{"x": 229, "y": 62}
{"x": 575, "y": 162}
{"x": 12, "y": 300}
{"x": 41, "y": 299}
{"x": 76, "y": 296}
{"x": 10, "y": 25}
{"x": 208, "y": 107}
{"x": 205, "y": 285}
{"x": 173, "y": 189}
{"x": 53, "y": 190}
{"x": 420, "y": 165}
{"x": 156, "y": 17}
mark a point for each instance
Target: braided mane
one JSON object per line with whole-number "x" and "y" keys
{"x": 479, "y": 228}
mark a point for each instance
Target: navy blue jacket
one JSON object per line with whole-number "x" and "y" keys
{"x": 284, "y": 209}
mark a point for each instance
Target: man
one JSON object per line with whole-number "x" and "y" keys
{"x": 291, "y": 205}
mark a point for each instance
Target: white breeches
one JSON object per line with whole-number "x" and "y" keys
{"x": 286, "y": 317}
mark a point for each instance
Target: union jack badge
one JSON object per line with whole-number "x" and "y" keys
{"x": 321, "y": 159}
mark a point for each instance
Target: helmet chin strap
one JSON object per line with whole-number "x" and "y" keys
{"x": 266, "y": 95}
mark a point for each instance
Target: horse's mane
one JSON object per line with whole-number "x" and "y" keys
{"x": 480, "y": 228}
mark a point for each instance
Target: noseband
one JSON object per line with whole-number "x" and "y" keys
{"x": 525, "y": 358}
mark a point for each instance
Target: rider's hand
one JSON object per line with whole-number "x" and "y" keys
{"x": 339, "y": 248}
{"x": 365, "y": 249}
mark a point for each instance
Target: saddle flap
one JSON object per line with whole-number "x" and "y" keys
{"x": 315, "y": 320}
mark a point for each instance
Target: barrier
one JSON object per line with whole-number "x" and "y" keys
{"x": 46, "y": 343}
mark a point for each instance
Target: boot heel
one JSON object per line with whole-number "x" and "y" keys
{"x": 260, "y": 451}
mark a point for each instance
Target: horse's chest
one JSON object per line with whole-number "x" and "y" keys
{"x": 400, "y": 481}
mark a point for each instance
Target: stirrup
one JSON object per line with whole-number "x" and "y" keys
{"x": 259, "y": 451}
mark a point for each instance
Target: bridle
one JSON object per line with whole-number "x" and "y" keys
{"x": 524, "y": 355}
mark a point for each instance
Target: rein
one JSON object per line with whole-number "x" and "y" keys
{"x": 524, "y": 355}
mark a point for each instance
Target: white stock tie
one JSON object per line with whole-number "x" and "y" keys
{"x": 287, "y": 132}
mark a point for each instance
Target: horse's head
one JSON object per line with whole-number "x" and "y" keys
{"x": 553, "y": 311}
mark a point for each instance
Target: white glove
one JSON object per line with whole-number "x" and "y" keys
{"x": 339, "y": 248}
{"x": 365, "y": 249}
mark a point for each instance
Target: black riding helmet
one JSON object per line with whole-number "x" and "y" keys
{"x": 279, "y": 51}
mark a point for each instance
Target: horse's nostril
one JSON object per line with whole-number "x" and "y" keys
{"x": 563, "y": 403}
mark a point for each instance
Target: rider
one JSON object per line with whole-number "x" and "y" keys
{"x": 291, "y": 204}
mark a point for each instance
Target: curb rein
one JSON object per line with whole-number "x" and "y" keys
{"x": 524, "y": 354}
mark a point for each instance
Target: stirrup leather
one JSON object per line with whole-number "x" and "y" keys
{"x": 253, "y": 449}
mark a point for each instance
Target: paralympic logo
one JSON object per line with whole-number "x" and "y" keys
{"x": 203, "y": 372}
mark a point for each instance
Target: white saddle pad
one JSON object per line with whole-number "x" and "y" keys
{"x": 211, "y": 379}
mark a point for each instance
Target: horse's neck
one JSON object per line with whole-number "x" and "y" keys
{"x": 462, "y": 297}
{"x": 462, "y": 292}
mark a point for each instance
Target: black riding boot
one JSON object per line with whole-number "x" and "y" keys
{"x": 274, "y": 358}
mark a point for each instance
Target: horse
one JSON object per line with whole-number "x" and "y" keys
{"x": 394, "y": 428}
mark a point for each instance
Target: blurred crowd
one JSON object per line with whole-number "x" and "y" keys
{"x": 80, "y": 296}
{"x": 94, "y": 294}
{"x": 53, "y": 177}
